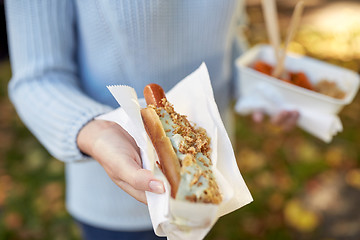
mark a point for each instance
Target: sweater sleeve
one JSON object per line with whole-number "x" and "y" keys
{"x": 240, "y": 45}
{"x": 45, "y": 88}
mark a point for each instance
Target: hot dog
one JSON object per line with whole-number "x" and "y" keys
{"x": 183, "y": 150}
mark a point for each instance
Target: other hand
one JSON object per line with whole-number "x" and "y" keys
{"x": 285, "y": 119}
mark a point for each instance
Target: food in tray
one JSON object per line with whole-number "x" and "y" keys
{"x": 329, "y": 88}
{"x": 300, "y": 79}
{"x": 183, "y": 149}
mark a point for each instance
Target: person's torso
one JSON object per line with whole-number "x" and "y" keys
{"x": 135, "y": 42}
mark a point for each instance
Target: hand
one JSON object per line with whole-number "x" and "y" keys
{"x": 284, "y": 119}
{"x": 117, "y": 152}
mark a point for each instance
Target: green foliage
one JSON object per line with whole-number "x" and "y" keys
{"x": 31, "y": 181}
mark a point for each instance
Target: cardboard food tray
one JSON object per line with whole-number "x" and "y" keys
{"x": 316, "y": 70}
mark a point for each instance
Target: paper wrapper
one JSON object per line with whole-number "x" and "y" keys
{"x": 179, "y": 219}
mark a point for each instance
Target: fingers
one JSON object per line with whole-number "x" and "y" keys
{"x": 140, "y": 181}
{"x": 144, "y": 180}
{"x": 131, "y": 171}
{"x": 137, "y": 194}
{"x": 258, "y": 116}
{"x": 126, "y": 168}
{"x": 286, "y": 119}
{"x": 118, "y": 153}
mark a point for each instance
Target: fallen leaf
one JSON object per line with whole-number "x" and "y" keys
{"x": 300, "y": 218}
{"x": 353, "y": 178}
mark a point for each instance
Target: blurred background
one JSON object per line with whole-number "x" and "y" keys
{"x": 302, "y": 187}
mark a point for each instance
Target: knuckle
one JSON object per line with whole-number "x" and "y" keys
{"x": 140, "y": 180}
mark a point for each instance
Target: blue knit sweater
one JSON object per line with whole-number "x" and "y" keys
{"x": 65, "y": 52}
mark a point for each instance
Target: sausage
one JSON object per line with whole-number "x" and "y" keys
{"x": 153, "y": 94}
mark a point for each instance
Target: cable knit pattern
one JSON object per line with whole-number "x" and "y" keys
{"x": 64, "y": 53}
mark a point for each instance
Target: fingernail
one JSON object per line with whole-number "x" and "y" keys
{"x": 156, "y": 186}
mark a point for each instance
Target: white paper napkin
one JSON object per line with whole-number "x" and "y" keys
{"x": 267, "y": 98}
{"x": 193, "y": 96}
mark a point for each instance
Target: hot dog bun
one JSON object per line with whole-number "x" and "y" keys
{"x": 168, "y": 160}
{"x": 182, "y": 149}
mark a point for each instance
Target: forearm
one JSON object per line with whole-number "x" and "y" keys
{"x": 55, "y": 111}
{"x": 45, "y": 86}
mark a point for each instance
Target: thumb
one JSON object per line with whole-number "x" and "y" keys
{"x": 144, "y": 180}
